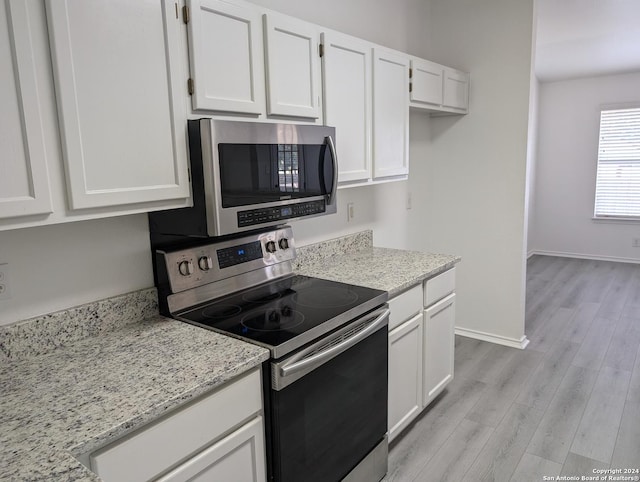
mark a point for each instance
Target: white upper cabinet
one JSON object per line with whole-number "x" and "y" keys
{"x": 456, "y": 89}
{"x": 292, "y": 67}
{"x": 426, "y": 80}
{"x": 347, "y": 102}
{"x": 438, "y": 88}
{"x": 24, "y": 179}
{"x": 390, "y": 114}
{"x": 226, "y": 57}
{"x": 122, "y": 119}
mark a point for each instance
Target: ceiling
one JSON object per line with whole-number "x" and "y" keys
{"x": 584, "y": 38}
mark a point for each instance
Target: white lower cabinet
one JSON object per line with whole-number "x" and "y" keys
{"x": 238, "y": 457}
{"x": 405, "y": 374}
{"x": 421, "y": 348}
{"x": 439, "y": 326}
{"x": 218, "y": 437}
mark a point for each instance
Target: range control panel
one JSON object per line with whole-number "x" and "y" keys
{"x": 193, "y": 267}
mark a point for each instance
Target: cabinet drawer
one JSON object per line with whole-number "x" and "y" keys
{"x": 156, "y": 447}
{"x": 239, "y": 456}
{"x": 404, "y": 306}
{"x": 439, "y": 286}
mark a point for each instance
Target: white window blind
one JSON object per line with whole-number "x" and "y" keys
{"x": 618, "y": 177}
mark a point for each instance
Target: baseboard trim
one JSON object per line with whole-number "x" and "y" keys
{"x": 562, "y": 254}
{"x": 497, "y": 339}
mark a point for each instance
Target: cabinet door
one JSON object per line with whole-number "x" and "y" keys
{"x": 426, "y": 82}
{"x": 456, "y": 89}
{"x": 237, "y": 457}
{"x": 293, "y": 67}
{"x": 390, "y": 114}
{"x": 405, "y": 374}
{"x": 24, "y": 179}
{"x": 347, "y": 102}
{"x": 439, "y": 326}
{"x": 123, "y": 121}
{"x": 226, "y": 57}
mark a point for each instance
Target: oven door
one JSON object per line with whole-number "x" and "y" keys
{"x": 328, "y": 406}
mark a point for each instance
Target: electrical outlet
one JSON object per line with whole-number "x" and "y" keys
{"x": 350, "y": 212}
{"x": 5, "y": 287}
{"x": 635, "y": 242}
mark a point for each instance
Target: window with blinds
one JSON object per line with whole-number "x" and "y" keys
{"x": 618, "y": 177}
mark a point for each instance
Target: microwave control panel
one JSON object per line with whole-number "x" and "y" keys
{"x": 269, "y": 215}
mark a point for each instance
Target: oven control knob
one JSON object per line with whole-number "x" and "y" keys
{"x": 205, "y": 263}
{"x": 284, "y": 243}
{"x": 185, "y": 268}
{"x": 271, "y": 247}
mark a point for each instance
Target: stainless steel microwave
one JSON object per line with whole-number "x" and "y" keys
{"x": 249, "y": 175}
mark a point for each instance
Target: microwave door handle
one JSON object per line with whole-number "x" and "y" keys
{"x": 331, "y": 197}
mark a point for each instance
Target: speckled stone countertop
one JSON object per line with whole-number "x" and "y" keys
{"x": 391, "y": 270}
{"x": 73, "y": 381}
{"x": 87, "y": 392}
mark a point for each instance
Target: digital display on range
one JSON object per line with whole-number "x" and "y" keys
{"x": 286, "y": 211}
{"x": 239, "y": 254}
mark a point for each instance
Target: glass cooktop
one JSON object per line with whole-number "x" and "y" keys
{"x": 289, "y": 311}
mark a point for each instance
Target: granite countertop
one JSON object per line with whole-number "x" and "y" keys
{"x": 391, "y": 270}
{"x": 91, "y": 391}
{"x": 73, "y": 381}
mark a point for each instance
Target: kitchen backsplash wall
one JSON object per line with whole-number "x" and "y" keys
{"x": 59, "y": 266}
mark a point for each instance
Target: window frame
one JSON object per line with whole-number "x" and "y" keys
{"x": 610, "y": 218}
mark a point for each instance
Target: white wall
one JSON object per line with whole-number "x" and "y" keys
{"x": 566, "y": 170}
{"x": 467, "y": 174}
{"x": 60, "y": 266}
{"x": 398, "y": 24}
{"x": 472, "y": 181}
{"x": 532, "y": 157}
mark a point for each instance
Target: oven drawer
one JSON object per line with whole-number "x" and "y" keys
{"x": 155, "y": 448}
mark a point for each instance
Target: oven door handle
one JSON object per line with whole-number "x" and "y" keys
{"x": 294, "y": 366}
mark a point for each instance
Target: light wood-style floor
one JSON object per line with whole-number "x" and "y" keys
{"x": 566, "y": 405}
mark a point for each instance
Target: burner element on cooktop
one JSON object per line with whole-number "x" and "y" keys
{"x": 325, "y": 297}
{"x": 277, "y": 319}
{"x": 219, "y": 312}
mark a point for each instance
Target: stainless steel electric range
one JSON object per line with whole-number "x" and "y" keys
{"x": 326, "y": 383}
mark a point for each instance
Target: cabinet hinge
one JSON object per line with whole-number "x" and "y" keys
{"x": 185, "y": 14}
{"x": 321, "y": 50}
{"x": 410, "y": 73}
{"x": 190, "y": 86}
{"x": 410, "y": 87}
